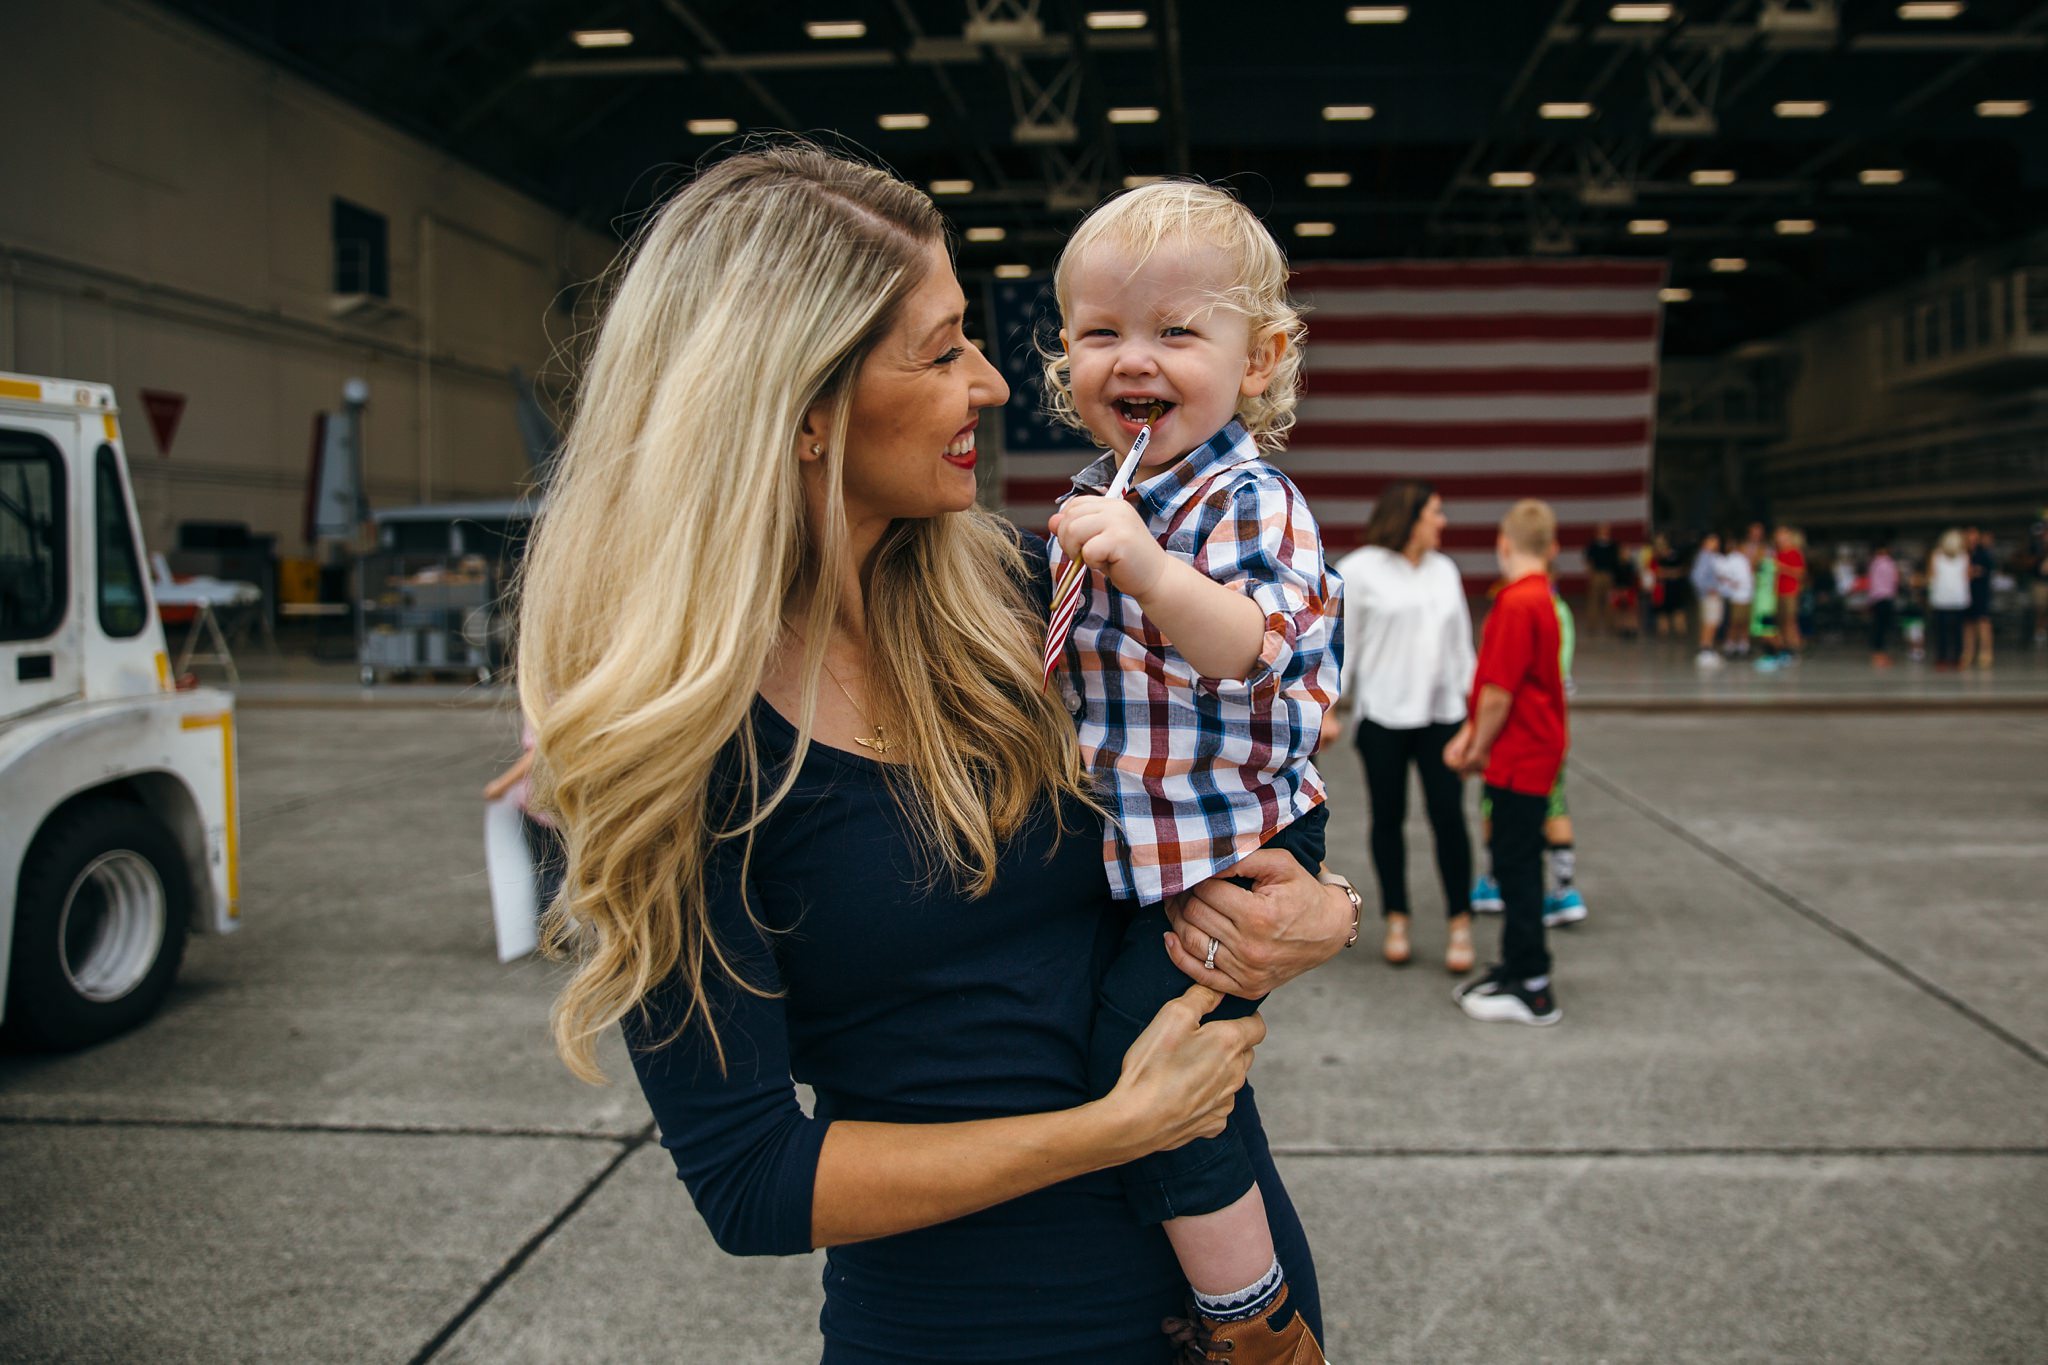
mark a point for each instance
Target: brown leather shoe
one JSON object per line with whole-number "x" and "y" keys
{"x": 1395, "y": 948}
{"x": 1280, "y": 1337}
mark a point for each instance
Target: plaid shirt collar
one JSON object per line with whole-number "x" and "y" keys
{"x": 1164, "y": 491}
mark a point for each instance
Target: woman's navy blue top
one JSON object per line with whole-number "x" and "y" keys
{"x": 900, "y": 1000}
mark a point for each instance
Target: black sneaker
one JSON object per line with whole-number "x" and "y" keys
{"x": 1495, "y": 999}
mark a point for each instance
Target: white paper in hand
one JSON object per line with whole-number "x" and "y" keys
{"x": 515, "y": 905}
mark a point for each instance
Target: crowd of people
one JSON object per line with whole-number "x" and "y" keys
{"x": 1759, "y": 598}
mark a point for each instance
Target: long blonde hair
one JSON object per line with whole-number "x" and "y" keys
{"x": 675, "y": 542}
{"x": 1188, "y": 214}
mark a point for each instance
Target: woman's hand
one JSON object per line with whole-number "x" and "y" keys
{"x": 1284, "y": 924}
{"x": 1181, "y": 1077}
{"x": 510, "y": 778}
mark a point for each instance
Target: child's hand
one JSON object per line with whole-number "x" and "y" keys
{"x": 1108, "y": 534}
{"x": 1458, "y": 753}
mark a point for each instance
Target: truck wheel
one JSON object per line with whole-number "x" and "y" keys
{"x": 99, "y": 925}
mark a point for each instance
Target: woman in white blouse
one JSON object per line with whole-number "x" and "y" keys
{"x": 1408, "y": 662}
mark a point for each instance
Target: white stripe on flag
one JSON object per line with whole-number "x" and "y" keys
{"x": 1484, "y": 511}
{"x": 1466, "y": 408}
{"x": 1478, "y": 301}
{"x": 1326, "y": 357}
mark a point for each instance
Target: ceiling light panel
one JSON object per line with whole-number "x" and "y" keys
{"x": 1133, "y": 182}
{"x": 1346, "y": 113}
{"x": 1511, "y": 180}
{"x": 713, "y": 127}
{"x": 1794, "y": 227}
{"x": 986, "y": 234}
{"x": 827, "y": 29}
{"x": 904, "y": 123}
{"x": 1376, "y": 14}
{"x": 1674, "y": 294}
{"x": 1648, "y": 227}
{"x": 1713, "y": 177}
{"x": 1328, "y": 180}
{"x": 1931, "y": 9}
{"x": 1639, "y": 14}
{"x": 1557, "y": 109}
{"x": 1143, "y": 113}
{"x": 602, "y": 37}
{"x": 1013, "y": 271}
{"x": 1881, "y": 175}
{"x": 1728, "y": 265}
{"x": 2004, "y": 108}
{"x": 952, "y": 187}
{"x": 1800, "y": 108}
{"x": 1315, "y": 229}
{"x": 1117, "y": 18}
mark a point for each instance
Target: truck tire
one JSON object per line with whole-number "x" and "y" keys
{"x": 99, "y": 925}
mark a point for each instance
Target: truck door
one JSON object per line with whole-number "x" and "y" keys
{"x": 40, "y": 643}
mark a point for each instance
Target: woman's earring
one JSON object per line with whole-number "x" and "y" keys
{"x": 817, "y": 449}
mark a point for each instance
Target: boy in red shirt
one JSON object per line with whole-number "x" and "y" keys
{"x": 1515, "y": 734}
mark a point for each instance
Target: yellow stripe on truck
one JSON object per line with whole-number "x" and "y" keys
{"x": 226, "y": 721}
{"x": 113, "y": 430}
{"x": 21, "y": 388}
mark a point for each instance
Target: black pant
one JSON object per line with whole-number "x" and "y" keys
{"x": 1948, "y": 635}
{"x": 1387, "y": 754}
{"x": 1881, "y": 624}
{"x": 1517, "y": 848}
{"x": 1209, "y": 1173}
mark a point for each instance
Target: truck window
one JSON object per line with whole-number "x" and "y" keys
{"x": 32, "y": 540}
{"x": 120, "y": 586}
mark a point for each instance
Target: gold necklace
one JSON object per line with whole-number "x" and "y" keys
{"x": 879, "y": 741}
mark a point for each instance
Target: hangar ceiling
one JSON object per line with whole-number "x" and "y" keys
{"x": 1832, "y": 148}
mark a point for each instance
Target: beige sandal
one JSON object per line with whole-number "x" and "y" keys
{"x": 1459, "y": 956}
{"x": 1396, "y": 948}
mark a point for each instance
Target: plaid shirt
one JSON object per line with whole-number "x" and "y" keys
{"x": 1199, "y": 772}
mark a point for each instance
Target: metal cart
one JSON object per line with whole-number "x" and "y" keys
{"x": 428, "y": 599}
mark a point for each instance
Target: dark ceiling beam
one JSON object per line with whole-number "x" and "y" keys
{"x": 1516, "y": 88}
{"x": 1176, "y": 94}
{"x": 778, "y": 111}
{"x": 990, "y": 163}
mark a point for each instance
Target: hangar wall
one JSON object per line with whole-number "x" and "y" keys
{"x": 167, "y": 224}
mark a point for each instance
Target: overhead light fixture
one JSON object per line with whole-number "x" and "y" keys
{"x": 1011, "y": 270}
{"x": 904, "y": 123}
{"x": 1931, "y": 9}
{"x": 1117, "y": 18}
{"x": 1674, "y": 293}
{"x": 1639, "y": 14}
{"x": 1881, "y": 175}
{"x": 1376, "y": 14}
{"x": 1800, "y": 108}
{"x": 1315, "y": 229}
{"x": 952, "y": 187}
{"x": 1511, "y": 180}
{"x": 1648, "y": 227}
{"x": 1135, "y": 182}
{"x": 1142, "y": 113}
{"x": 837, "y": 28}
{"x": 1564, "y": 109}
{"x": 1713, "y": 177}
{"x": 713, "y": 127}
{"x": 986, "y": 234}
{"x": 602, "y": 37}
{"x": 1794, "y": 227}
{"x": 1328, "y": 180}
{"x": 1346, "y": 113}
{"x": 1728, "y": 265}
{"x": 2004, "y": 108}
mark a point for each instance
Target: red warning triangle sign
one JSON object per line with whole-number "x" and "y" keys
{"x": 164, "y": 409}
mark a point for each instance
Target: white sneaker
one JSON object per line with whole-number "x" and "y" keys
{"x": 1707, "y": 658}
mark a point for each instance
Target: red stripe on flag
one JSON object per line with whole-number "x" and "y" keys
{"x": 1485, "y": 327}
{"x": 1571, "y": 536}
{"x": 1471, "y": 383}
{"x": 1481, "y": 275}
{"x": 1534, "y": 484}
{"x": 1626, "y": 431}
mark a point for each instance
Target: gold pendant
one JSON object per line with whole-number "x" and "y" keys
{"x": 879, "y": 742}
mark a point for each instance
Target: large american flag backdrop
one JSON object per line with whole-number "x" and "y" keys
{"x": 1494, "y": 380}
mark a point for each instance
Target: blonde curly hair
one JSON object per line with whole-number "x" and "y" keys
{"x": 1150, "y": 218}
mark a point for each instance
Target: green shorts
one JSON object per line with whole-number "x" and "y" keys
{"x": 1556, "y": 810}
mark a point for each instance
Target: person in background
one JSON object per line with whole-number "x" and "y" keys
{"x": 1649, "y": 591}
{"x": 1737, "y": 579}
{"x": 2036, "y": 578}
{"x": 1948, "y": 597}
{"x": 1603, "y": 570}
{"x": 1881, "y": 591}
{"x": 1407, "y": 668}
{"x": 1669, "y": 566}
{"x": 1516, "y": 735}
{"x": 1625, "y": 608}
{"x": 1977, "y": 616}
{"x": 1791, "y": 561}
{"x": 1706, "y": 587}
{"x": 1763, "y": 618}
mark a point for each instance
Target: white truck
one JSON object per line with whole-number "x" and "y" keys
{"x": 118, "y": 826}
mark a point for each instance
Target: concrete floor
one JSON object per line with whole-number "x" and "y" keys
{"x": 1797, "y": 1110}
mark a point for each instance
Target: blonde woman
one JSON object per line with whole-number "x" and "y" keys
{"x": 1948, "y": 598}
{"x": 822, "y": 821}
